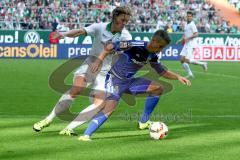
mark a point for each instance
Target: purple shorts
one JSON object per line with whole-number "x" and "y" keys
{"x": 116, "y": 87}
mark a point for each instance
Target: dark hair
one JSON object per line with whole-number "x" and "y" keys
{"x": 190, "y": 12}
{"x": 121, "y": 10}
{"x": 161, "y": 34}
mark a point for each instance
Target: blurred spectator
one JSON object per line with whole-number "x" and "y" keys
{"x": 51, "y": 38}
{"x": 235, "y": 3}
{"x": 169, "y": 28}
{"x": 238, "y": 6}
{"x": 234, "y": 29}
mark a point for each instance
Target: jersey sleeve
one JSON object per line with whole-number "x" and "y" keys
{"x": 92, "y": 29}
{"x": 158, "y": 67}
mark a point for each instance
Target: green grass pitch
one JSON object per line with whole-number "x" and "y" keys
{"x": 203, "y": 119}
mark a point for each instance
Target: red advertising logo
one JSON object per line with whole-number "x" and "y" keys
{"x": 230, "y": 53}
{"x": 197, "y": 54}
{"x": 218, "y": 53}
{"x": 207, "y": 53}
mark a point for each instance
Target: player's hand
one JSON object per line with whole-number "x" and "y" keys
{"x": 182, "y": 41}
{"x": 185, "y": 40}
{"x": 96, "y": 65}
{"x": 58, "y": 35}
{"x": 108, "y": 46}
{"x": 184, "y": 80}
{"x": 179, "y": 41}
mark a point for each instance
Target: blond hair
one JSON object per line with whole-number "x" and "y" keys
{"x": 121, "y": 10}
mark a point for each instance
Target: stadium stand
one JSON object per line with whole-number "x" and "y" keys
{"x": 235, "y": 3}
{"x": 228, "y": 11}
{"x": 148, "y": 15}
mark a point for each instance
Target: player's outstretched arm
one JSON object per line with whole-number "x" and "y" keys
{"x": 72, "y": 33}
{"x": 75, "y": 33}
{"x": 174, "y": 76}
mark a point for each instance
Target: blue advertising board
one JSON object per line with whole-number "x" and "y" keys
{"x": 65, "y": 51}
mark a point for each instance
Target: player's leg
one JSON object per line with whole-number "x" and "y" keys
{"x": 196, "y": 62}
{"x": 81, "y": 77}
{"x": 98, "y": 96}
{"x": 86, "y": 114}
{"x": 66, "y": 100}
{"x": 184, "y": 61}
{"x": 114, "y": 87}
{"x": 63, "y": 103}
{"x": 154, "y": 90}
{"x": 99, "y": 119}
{"x": 191, "y": 60}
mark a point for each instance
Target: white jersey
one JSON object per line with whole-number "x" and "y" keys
{"x": 189, "y": 46}
{"x": 189, "y": 30}
{"x": 101, "y": 33}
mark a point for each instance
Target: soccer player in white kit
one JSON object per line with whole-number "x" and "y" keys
{"x": 102, "y": 33}
{"x": 189, "y": 41}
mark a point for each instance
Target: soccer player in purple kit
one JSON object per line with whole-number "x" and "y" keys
{"x": 120, "y": 79}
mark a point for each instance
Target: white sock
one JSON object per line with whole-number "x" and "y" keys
{"x": 187, "y": 68}
{"x": 84, "y": 116}
{"x": 63, "y": 103}
{"x": 193, "y": 61}
{"x": 51, "y": 116}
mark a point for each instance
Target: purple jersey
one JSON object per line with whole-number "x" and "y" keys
{"x": 133, "y": 59}
{"x": 121, "y": 77}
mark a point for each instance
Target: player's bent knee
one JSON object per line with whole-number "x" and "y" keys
{"x": 99, "y": 103}
{"x": 157, "y": 90}
{"x": 109, "y": 110}
{"x": 78, "y": 86}
{"x": 183, "y": 60}
{"x": 110, "y": 107}
{"x": 79, "y": 80}
{"x": 75, "y": 91}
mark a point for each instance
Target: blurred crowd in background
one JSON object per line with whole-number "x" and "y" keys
{"x": 235, "y": 3}
{"x": 147, "y": 15}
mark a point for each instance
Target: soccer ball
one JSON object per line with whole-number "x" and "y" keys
{"x": 158, "y": 130}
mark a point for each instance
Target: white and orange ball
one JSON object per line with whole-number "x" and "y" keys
{"x": 158, "y": 130}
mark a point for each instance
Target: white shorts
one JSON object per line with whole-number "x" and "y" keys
{"x": 96, "y": 79}
{"x": 187, "y": 51}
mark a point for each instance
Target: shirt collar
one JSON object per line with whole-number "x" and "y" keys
{"x": 109, "y": 28}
